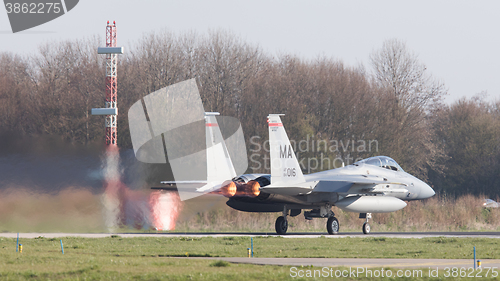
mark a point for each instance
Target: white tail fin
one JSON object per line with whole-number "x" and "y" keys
{"x": 285, "y": 169}
{"x": 219, "y": 165}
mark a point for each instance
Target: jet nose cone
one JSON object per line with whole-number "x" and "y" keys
{"x": 426, "y": 192}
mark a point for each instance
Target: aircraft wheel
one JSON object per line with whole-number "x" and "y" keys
{"x": 281, "y": 225}
{"x": 366, "y": 228}
{"x": 332, "y": 225}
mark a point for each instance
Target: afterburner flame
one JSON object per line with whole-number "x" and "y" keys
{"x": 135, "y": 208}
{"x": 165, "y": 208}
{"x": 239, "y": 189}
{"x": 229, "y": 190}
{"x": 252, "y": 188}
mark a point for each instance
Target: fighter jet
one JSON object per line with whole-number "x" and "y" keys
{"x": 373, "y": 185}
{"x": 490, "y": 203}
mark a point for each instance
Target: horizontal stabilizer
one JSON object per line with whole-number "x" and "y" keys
{"x": 165, "y": 188}
{"x": 182, "y": 182}
{"x": 191, "y": 186}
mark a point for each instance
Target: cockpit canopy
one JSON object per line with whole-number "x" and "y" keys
{"x": 381, "y": 161}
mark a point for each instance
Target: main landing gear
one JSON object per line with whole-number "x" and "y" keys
{"x": 281, "y": 224}
{"x": 332, "y": 224}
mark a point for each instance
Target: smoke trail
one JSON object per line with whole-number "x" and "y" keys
{"x": 112, "y": 185}
{"x": 31, "y": 209}
{"x": 124, "y": 207}
{"x": 50, "y": 185}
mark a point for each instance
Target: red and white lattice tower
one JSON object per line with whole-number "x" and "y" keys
{"x": 111, "y": 84}
{"x": 111, "y": 111}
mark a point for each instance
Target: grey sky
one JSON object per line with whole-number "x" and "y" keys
{"x": 457, "y": 40}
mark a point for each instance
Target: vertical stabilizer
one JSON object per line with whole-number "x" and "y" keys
{"x": 285, "y": 168}
{"x": 219, "y": 165}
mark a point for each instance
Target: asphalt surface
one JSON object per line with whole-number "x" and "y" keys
{"x": 256, "y": 234}
{"x": 367, "y": 263}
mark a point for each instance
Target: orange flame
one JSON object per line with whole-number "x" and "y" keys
{"x": 252, "y": 188}
{"x": 165, "y": 208}
{"x": 135, "y": 208}
{"x": 229, "y": 190}
{"x": 236, "y": 189}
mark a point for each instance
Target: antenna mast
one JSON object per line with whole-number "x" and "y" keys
{"x": 110, "y": 109}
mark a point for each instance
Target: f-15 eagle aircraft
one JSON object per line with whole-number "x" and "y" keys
{"x": 373, "y": 185}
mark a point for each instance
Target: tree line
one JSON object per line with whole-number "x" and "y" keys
{"x": 395, "y": 102}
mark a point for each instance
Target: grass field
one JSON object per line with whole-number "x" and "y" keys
{"x": 119, "y": 258}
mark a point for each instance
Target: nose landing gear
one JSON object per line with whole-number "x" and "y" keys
{"x": 366, "y": 225}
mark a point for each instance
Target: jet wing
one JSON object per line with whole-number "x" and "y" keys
{"x": 317, "y": 186}
{"x": 341, "y": 184}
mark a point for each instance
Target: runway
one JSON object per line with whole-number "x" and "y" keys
{"x": 261, "y": 234}
{"x": 361, "y": 262}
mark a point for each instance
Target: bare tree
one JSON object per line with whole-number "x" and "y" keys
{"x": 414, "y": 94}
{"x": 399, "y": 70}
{"x": 225, "y": 66}
{"x": 14, "y": 82}
{"x": 324, "y": 99}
